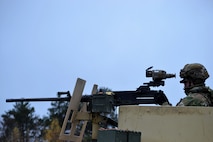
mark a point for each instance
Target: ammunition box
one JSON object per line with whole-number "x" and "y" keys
{"x": 102, "y": 103}
{"x": 134, "y": 136}
{"x": 111, "y": 135}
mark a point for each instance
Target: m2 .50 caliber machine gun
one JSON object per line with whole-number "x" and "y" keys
{"x": 142, "y": 95}
{"x": 103, "y": 102}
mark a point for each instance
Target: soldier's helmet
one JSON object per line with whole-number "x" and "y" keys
{"x": 195, "y": 72}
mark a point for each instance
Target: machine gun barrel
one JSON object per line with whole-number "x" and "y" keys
{"x": 85, "y": 98}
{"x": 38, "y": 99}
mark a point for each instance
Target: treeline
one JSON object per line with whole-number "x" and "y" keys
{"x": 21, "y": 124}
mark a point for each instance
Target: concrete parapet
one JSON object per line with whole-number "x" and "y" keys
{"x": 168, "y": 124}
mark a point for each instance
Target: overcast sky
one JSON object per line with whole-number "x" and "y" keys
{"x": 45, "y": 45}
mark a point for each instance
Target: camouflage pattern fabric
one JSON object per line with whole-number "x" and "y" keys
{"x": 197, "y": 96}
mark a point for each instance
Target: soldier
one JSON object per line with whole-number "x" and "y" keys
{"x": 197, "y": 94}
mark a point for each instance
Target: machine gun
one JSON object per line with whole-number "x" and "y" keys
{"x": 103, "y": 102}
{"x": 142, "y": 95}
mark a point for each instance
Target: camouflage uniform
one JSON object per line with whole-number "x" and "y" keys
{"x": 197, "y": 94}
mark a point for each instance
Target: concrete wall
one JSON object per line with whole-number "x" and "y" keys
{"x": 168, "y": 124}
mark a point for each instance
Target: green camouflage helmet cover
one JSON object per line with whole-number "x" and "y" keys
{"x": 194, "y": 71}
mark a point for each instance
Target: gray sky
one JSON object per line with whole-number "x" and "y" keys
{"x": 46, "y": 45}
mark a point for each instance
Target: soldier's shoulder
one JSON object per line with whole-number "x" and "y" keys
{"x": 196, "y": 95}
